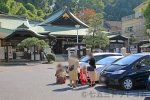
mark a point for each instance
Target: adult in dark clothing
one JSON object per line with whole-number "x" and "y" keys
{"x": 92, "y": 73}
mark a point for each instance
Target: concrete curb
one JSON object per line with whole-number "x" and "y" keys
{"x": 18, "y": 64}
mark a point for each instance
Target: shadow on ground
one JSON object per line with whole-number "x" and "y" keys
{"x": 52, "y": 84}
{"x": 63, "y": 89}
{"x": 50, "y": 68}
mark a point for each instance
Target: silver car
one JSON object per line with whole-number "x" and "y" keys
{"x": 104, "y": 63}
{"x": 98, "y": 56}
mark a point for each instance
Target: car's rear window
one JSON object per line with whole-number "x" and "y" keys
{"x": 84, "y": 59}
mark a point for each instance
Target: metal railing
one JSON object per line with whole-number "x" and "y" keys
{"x": 130, "y": 17}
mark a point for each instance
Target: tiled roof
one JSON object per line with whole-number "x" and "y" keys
{"x": 5, "y": 32}
{"x": 145, "y": 45}
{"x": 13, "y": 23}
{"x": 114, "y": 23}
{"x": 55, "y": 16}
{"x": 12, "y": 16}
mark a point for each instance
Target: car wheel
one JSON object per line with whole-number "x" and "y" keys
{"x": 127, "y": 83}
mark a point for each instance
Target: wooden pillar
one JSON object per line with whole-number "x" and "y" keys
{"x": 7, "y": 58}
{"x": 34, "y": 53}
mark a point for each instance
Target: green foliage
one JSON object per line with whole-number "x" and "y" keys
{"x": 20, "y": 46}
{"x": 42, "y": 44}
{"x": 146, "y": 13}
{"x": 97, "y": 5}
{"x": 71, "y": 4}
{"x": 120, "y": 8}
{"x": 95, "y": 36}
{"x": 29, "y": 8}
{"x": 132, "y": 38}
{"x": 22, "y": 11}
{"x": 112, "y": 9}
{"x": 96, "y": 20}
{"x": 31, "y": 42}
{"x": 39, "y": 4}
{"x": 106, "y": 2}
{"x": 3, "y": 8}
{"x": 30, "y": 15}
{"x": 14, "y": 7}
{"x": 51, "y": 57}
{"x": 99, "y": 39}
{"x": 35, "y": 42}
{"x": 40, "y": 13}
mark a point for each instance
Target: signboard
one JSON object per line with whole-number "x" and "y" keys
{"x": 117, "y": 50}
{"x": 134, "y": 49}
{"x": 10, "y": 52}
{"x": 47, "y": 50}
{"x": 2, "y": 53}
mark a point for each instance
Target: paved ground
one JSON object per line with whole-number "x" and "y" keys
{"x": 38, "y": 83}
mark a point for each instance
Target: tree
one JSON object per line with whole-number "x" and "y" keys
{"x": 146, "y": 13}
{"x": 88, "y": 12}
{"x": 71, "y": 4}
{"x": 95, "y": 36}
{"x": 132, "y": 38}
{"x": 97, "y": 5}
{"x": 120, "y": 8}
{"x": 31, "y": 8}
{"x": 34, "y": 42}
{"x": 106, "y": 2}
{"x": 40, "y": 13}
{"x": 31, "y": 42}
{"x": 39, "y": 4}
{"x": 28, "y": 8}
{"x": 3, "y": 8}
{"x": 22, "y": 11}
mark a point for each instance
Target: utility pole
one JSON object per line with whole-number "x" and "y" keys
{"x": 83, "y": 12}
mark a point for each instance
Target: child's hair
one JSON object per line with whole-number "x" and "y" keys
{"x": 59, "y": 66}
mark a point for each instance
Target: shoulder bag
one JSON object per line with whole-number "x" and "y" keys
{"x": 71, "y": 68}
{"x": 90, "y": 68}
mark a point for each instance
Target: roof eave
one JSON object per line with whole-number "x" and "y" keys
{"x": 82, "y": 23}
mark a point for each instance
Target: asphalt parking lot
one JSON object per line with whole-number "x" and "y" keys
{"x": 37, "y": 82}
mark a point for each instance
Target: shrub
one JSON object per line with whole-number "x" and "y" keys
{"x": 51, "y": 57}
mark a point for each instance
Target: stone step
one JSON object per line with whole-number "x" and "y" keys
{"x": 60, "y": 58}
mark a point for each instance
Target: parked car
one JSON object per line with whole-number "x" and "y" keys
{"x": 98, "y": 56}
{"x": 128, "y": 72}
{"x": 104, "y": 63}
{"x": 148, "y": 84}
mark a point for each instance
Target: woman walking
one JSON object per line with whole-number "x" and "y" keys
{"x": 93, "y": 70}
{"x": 73, "y": 74}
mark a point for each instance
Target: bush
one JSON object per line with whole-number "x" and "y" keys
{"x": 51, "y": 57}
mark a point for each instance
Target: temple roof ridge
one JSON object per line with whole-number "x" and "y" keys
{"x": 66, "y": 14}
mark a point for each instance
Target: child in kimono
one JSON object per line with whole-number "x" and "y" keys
{"x": 60, "y": 75}
{"x": 83, "y": 75}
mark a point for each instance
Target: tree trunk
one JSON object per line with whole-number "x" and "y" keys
{"x": 46, "y": 56}
{"x": 93, "y": 42}
{"x": 34, "y": 54}
{"x": 92, "y": 48}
